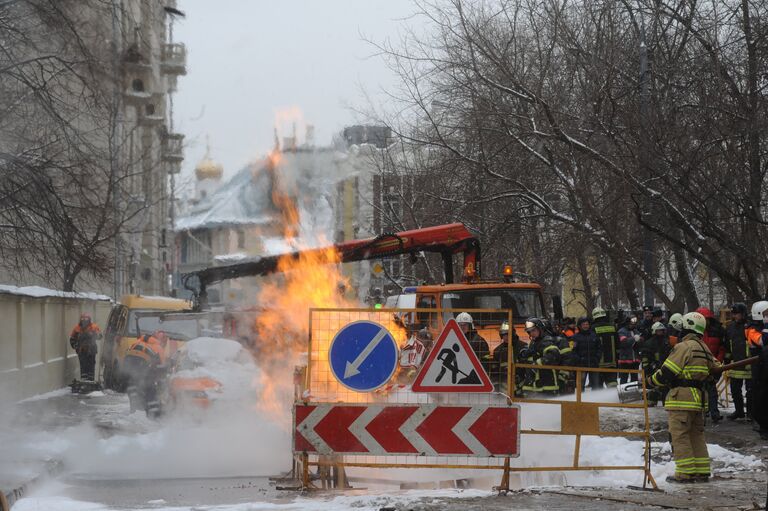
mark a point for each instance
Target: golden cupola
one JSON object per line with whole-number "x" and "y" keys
{"x": 207, "y": 168}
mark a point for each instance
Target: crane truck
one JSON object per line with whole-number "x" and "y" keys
{"x": 525, "y": 299}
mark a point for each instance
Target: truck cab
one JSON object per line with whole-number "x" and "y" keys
{"x": 524, "y": 299}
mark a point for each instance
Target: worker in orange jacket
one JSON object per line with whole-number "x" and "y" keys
{"x": 83, "y": 340}
{"x": 145, "y": 365}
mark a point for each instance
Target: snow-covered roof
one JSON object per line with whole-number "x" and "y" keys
{"x": 43, "y": 292}
{"x": 243, "y": 200}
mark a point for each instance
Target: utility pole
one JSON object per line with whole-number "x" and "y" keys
{"x": 648, "y": 244}
{"x": 114, "y": 147}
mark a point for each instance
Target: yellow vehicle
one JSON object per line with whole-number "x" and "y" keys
{"x": 122, "y": 331}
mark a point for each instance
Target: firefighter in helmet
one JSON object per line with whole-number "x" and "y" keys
{"x": 609, "y": 341}
{"x": 541, "y": 350}
{"x": 685, "y": 372}
{"x": 500, "y": 358}
{"x": 476, "y": 341}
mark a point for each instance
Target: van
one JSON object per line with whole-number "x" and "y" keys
{"x": 122, "y": 331}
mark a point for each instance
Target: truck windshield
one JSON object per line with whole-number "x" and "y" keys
{"x": 525, "y": 303}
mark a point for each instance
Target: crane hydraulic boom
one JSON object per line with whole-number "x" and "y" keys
{"x": 446, "y": 240}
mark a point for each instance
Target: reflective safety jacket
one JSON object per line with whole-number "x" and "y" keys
{"x": 83, "y": 340}
{"x": 149, "y": 349}
{"x": 685, "y": 372}
{"x": 542, "y": 351}
{"x": 609, "y": 340}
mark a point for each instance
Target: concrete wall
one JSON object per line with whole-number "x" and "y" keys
{"x": 35, "y": 356}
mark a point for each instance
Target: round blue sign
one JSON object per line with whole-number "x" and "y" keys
{"x": 363, "y": 356}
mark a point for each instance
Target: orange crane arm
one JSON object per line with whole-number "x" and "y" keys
{"x": 446, "y": 240}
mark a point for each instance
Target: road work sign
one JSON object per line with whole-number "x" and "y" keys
{"x": 363, "y": 356}
{"x": 452, "y": 366}
{"x": 388, "y": 429}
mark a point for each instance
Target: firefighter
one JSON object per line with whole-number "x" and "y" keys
{"x": 653, "y": 352}
{"x": 714, "y": 338}
{"x": 541, "y": 350}
{"x": 628, "y": 339}
{"x": 568, "y": 357}
{"x": 500, "y": 360}
{"x": 754, "y": 335}
{"x": 144, "y": 364}
{"x": 476, "y": 341}
{"x": 647, "y": 322}
{"x": 586, "y": 345}
{"x": 83, "y": 340}
{"x": 675, "y": 324}
{"x": 609, "y": 340}
{"x": 685, "y": 373}
{"x": 736, "y": 349}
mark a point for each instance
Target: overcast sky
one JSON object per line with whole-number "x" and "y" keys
{"x": 249, "y": 60}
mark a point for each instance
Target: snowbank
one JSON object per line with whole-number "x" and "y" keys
{"x": 43, "y": 292}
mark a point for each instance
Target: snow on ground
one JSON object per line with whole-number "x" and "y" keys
{"x": 54, "y": 393}
{"x": 340, "y": 503}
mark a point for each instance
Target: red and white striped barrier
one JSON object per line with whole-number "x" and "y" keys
{"x": 427, "y": 429}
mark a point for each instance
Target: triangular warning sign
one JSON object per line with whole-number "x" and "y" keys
{"x": 452, "y": 365}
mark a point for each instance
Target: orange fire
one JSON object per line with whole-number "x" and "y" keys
{"x": 310, "y": 280}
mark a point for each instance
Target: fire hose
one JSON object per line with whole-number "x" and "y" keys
{"x": 633, "y": 391}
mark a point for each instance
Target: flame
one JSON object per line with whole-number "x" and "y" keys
{"x": 281, "y": 199}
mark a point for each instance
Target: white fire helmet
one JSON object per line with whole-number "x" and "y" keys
{"x": 658, "y": 326}
{"x": 695, "y": 322}
{"x": 464, "y": 317}
{"x": 758, "y": 308}
{"x": 676, "y": 321}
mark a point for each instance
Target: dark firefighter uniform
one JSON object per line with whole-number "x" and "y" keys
{"x": 685, "y": 373}
{"x": 500, "y": 359}
{"x": 144, "y": 362}
{"x": 609, "y": 339}
{"x": 542, "y": 351}
{"x": 83, "y": 340}
{"x": 736, "y": 349}
{"x": 653, "y": 352}
{"x": 568, "y": 357}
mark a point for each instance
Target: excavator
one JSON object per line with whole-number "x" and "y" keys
{"x": 525, "y": 299}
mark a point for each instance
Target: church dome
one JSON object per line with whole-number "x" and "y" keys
{"x": 208, "y": 169}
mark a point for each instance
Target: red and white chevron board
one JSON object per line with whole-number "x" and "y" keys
{"x": 387, "y": 429}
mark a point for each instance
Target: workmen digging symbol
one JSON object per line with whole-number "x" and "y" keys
{"x": 452, "y": 365}
{"x": 448, "y": 358}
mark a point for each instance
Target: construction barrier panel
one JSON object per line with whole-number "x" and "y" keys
{"x": 391, "y": 426}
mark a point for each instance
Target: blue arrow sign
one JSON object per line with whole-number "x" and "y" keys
{"x": 363, "y": 356}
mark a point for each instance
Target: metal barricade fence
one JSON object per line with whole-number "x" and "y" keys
{"x": 580, "y": 418}
{"x": 318, "y": 387}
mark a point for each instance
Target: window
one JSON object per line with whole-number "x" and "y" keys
{"x": 240, "y": 239}
{"x": 525, "y": 303}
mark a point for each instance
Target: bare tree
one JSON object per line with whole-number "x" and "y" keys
{"x": 548, "y": 105}
{"x": 60, "y": 137}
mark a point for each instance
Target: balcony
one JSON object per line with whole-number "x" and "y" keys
{"x": 152, "y": 113}
{"x": 173, "y": 147}
{"x": 173, "y": 167}
{"x": 173, "y": 59}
